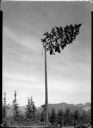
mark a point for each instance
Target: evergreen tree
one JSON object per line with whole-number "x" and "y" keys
{"x": 60, "y": 117}
{"x": 37, "y": 117}
{"x": 42, "y": 114}
{"x": 4, "y": 111}
{"x": 67, "y": 117}
{"x": 30, "y": 110}
{"x": 84, "y": 117}
{"x": 76, "y": 117}
{"x": 4, "y": 107}
{"x": 33, "y": 109}
{"x": 16, "y": 112}
{"x": 88, "y": 116}
{"x": 71, "y": 119}
{"x": 53, "y": 116}
{"x": 60, "y": 37}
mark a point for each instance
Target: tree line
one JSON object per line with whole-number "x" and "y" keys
{"x": 68, "y": 118}
{"x": 31, "y": 116}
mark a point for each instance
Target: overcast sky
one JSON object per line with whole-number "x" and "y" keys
{"x": 69, "y": 73}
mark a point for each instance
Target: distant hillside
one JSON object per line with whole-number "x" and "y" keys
{"x": 63, "y": 106}
{"x": 72, "y": 107}
{"x": 10, "y": 110}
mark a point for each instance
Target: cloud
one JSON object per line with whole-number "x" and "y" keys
{"x": 27, "y": 42}
{"x": 17, "y": 76}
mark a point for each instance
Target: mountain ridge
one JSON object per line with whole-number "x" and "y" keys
{"x": 63, "y": 105}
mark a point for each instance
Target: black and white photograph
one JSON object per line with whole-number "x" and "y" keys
{"x": 46, "y": 64}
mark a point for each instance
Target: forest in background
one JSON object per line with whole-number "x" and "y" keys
{"x": 32, "y": 116}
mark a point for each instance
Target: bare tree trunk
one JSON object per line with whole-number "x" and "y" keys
{"x": 46, "y": 90}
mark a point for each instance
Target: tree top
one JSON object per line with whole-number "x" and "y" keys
{"x": 59, "y": 37}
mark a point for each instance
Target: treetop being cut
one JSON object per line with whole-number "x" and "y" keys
{"x": 59, "y": 37}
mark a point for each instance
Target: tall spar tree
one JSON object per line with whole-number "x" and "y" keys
{"x": 54, "y": 42}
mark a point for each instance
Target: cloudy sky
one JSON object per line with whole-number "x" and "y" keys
{"x": 69, "y": 73}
